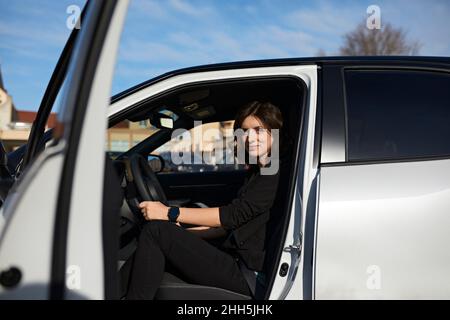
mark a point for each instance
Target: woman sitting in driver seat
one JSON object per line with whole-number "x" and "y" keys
{"x": 244, "y": 222}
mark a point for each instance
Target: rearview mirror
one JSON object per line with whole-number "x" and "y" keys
{"x": 160, "y": 121}
{"x": 156, "y": 162}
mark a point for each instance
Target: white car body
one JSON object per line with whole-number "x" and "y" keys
{"x": 347, "y": 224}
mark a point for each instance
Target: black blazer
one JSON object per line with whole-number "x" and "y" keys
{"x": 246, "y": 217}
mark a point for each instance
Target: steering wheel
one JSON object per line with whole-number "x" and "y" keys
{"x": 147, "y": 185}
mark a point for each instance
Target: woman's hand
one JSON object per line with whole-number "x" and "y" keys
{"x": 154, "y": 210}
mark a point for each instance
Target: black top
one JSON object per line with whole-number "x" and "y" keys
{"x": 246, "y": 217}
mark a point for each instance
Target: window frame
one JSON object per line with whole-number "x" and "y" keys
{"x": 381, "y": 68}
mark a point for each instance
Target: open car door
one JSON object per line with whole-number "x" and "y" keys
{"x": 297, "y": 87}
{"x": 61, "y": 191}
{"x": 13, "y": 164}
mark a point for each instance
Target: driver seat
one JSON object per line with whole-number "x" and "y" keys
{"x": 173, "y": 288}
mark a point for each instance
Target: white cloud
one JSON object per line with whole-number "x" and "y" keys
{"x": 250, "y": 9}
{"x": 35, "y": 33}
{"x": 251, "y": 43}
{"x": 186, "y": 8}
{"x": 424, "y": 22}
{"x": 217, "y": 38}
{"x": 327, "y": 23}
{"x": 187, "y": 40}
{"x": 327, "y": 19}
{"x": 291, "y": 42}
{"x": 182, "y": 49}
{"x": 141, "y": 73}
{"x": 149, "y": 8}
{"x": 150, "y": 52}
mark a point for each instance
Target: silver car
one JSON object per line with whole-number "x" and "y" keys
{"x": 363, "y": 206}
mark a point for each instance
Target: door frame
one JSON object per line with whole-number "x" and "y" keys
{"x": 305, "y": 166}
{"x": 78, "y": 123}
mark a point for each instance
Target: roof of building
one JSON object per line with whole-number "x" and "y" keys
{"x": 29, "y": 116}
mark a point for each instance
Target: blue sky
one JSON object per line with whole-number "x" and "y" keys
{"x": 160, "y": 36}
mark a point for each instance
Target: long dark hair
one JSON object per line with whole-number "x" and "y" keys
{"x": 266, "y": 112}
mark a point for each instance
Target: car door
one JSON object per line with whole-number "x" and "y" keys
{"x": 51, "y": 243}
{"x": 382, "y": 227}
{"x": 287, "y": 282}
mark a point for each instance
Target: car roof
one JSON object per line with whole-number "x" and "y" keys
{"x": 321, "y": 61}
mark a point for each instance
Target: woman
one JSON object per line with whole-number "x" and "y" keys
{"x": 243, "y": 221}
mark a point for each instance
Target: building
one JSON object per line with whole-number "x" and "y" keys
{"x": 127, "y": 134}
{"x": 15, "y": 125}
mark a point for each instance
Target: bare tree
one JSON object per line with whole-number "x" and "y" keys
{"x": 378, "y": 42}
{"x": 321, "y": 53}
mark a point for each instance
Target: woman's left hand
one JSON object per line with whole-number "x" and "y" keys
{"x": 154, "y": 210}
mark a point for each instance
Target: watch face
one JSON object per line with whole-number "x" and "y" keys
{"x": 173, "y": 213}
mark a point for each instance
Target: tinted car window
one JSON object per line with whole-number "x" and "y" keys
{"x": 397, "y": 114}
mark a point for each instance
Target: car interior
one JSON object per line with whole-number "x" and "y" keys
{"x": 136, "y": 181}
{"x": 129, "y": 179}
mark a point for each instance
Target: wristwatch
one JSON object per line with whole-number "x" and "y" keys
{"x": 173, "y": 214}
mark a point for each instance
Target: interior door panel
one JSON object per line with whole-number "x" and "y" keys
{"x": 211, "y": 188}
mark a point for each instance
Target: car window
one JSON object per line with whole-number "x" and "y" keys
{"x": 126, "y": 134}
{"x": 39, "y": 83}
{"x": 397, "y": 114}
{"x": 206, "y": 147}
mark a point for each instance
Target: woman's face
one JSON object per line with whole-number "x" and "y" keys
{"x": 257, "y": 139}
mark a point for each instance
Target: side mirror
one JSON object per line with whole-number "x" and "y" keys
{"x": 6, "y": 180}
{"x": 161, "y": 121}
{"x": 4, "y": 162}
{"x": 156, "y": 162}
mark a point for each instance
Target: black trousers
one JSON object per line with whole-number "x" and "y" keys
{"x": 194, "y": 259}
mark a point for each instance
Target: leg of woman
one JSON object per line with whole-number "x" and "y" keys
{"x": 198, "y": 261}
